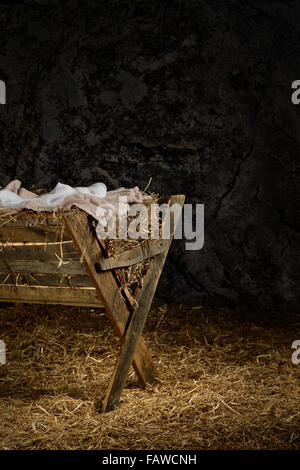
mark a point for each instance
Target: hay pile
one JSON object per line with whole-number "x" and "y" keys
{"x": 133, "y": 276}
{"x": 226, "y": 383}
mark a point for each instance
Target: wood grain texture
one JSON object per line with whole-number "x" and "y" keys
{"x": 85, "y": 297}
{"x": 42, "y": 266}
{"x": 55, "y": 252}
{"x": 31, "y": 234}
{"x": 37, "y": 279}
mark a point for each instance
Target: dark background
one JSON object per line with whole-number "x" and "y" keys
{"x": 196, "y": 94}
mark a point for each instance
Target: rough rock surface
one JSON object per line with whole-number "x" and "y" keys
{"x": 197, "y": 95}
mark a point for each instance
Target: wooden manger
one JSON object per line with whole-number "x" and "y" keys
{"x": 56, "y": 258}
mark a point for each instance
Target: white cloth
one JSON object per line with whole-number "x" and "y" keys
{"x": 94, "y": 199}
{"x": 54, "y": 198}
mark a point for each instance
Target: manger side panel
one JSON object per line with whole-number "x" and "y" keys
{"x": 39, "y": 250}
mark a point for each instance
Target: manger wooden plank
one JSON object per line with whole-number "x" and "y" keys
{"x": 26, "y": 218}
{"x": 31, "y": 234}
{"x": 148, "y": 249}
{"x": 137, "y": 322}
{"x": 53, "y": 252}
{"x": 6, "y": 224}
{"x": 86, "y": 297}
{"x": 85, "y": 238}
{"x": 42, "y": 266}
{"x": 33, "y": 279}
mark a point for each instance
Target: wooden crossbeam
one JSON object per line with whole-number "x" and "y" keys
{"x": 148, "y": 249}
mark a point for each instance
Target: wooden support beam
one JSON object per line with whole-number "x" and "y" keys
{"x": 85, "y": 238}
{"x": 137, "y": 323}
{"x": 148, "y": 249}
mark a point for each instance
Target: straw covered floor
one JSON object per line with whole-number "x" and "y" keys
{"x": 227, "y": 381}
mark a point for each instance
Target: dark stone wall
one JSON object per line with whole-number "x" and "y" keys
{"x": 196, "y": 94}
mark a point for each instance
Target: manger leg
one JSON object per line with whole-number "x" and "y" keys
{"x": 132, "y": 336}
{"x": 108, "y": 291}
{"x": 137, "y": 322}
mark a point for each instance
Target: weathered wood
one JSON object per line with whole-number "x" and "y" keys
{"x": 88, "y": 245}
{"x": 34, "y": 279}
{"x": 136, "y": 324}
{"x": 66, "y": 252}
{"x": 15, "y": 218}
{"x": 85, "y": 297}
{"x": 31, "y": 234}
{"x": 42, "y": 266}
{"x": 148, "y": 249}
